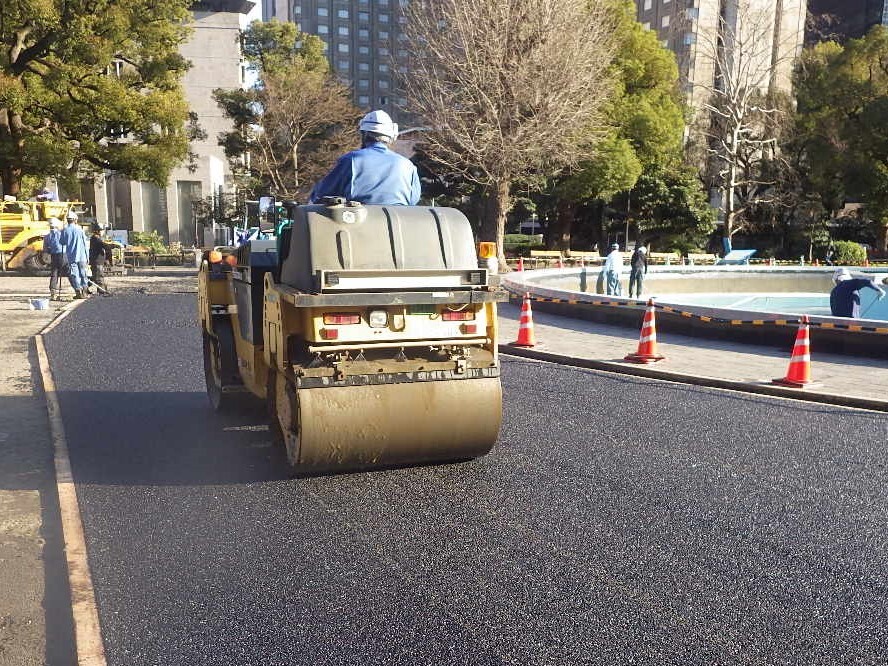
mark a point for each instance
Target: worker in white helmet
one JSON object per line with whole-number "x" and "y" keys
{"x": 373, "y": 174}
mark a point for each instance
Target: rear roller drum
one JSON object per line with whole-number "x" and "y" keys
{"x": 361, "y": 427}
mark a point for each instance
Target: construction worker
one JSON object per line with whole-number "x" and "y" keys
{"x": 844, "y": 299}
{"x": 99, "y": 255}
{"x": 374, "y": 174}
{"x": 613, "y": 265}
{"x": 74, "y": 240}
{"x": 58, "y": 262}
{"x": 639, "y": 268}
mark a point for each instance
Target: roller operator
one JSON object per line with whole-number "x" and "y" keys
{"x": 374, "y": 174}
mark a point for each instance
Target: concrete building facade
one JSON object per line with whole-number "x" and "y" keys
{"x": 363, "y": 42}
{"x": 215, "y": 55}
{"x": 693, "y": 28}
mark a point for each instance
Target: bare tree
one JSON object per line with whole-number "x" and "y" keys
{"x": 307, "y": 120}
{"x": 511, "y": 91}
{"x": 748, "y": 54}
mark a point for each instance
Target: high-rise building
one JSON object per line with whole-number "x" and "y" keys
{"x": 843, "y": 19}
{"x": 214, "y": 52}
{"x": 695, "y": 29}
{"x": 363, "y": 42}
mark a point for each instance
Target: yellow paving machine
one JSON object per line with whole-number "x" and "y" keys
{"x": 23, "y": 224}
{"x": 370, "y": 332}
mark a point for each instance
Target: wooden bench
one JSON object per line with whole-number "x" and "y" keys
{"x": 701, "y": 258}
{"x": 586, "y": 257}
{"x": 546, "y": 256}
{"x": 666, "y": 258}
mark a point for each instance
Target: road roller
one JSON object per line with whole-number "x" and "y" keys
{"x": 369, "y": 331}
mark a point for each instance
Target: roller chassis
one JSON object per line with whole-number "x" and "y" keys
{"x": 370, "y": 395}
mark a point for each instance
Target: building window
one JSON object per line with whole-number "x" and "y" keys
{"x": 383, "y": 18}
{"x": 342, "y": 13}
{"x": 383, "y": 100}
{"x": 364, "y": 66}
{"x": 382, "y": 51}
{"x": 363, "y": 33}
{"x": 664, "y": 22}
{"x": 693, "y": 13}
{"x": 383, "y": 68}
{"x": 297, "y": 9}
{"x": 363, "y": 100}
{"x": 402, "y": 53}
{"x": 323, "y": 29}
{"x": 342, "y": 48}
{"x": 689, "y": 38}
{"x": 363, "y": 84}
{"x": 382, "y": 3}
{"x": 364, "y": 50}
{"x": 322, "y": 11}
{"x": 383, "y": 34}
{"x": 647, "y": 5}
{"x": 342, "y": 64}
{"x": 646, "y": 25}
{"x": 402, "y": 69}
{"x": 383, "y": 84}
{"x": 343, "y": 31}
{"x": 364, "y": 17}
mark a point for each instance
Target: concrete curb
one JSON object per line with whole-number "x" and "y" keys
{"x": 651, "y": 372}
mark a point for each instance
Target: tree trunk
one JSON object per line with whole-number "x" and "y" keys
{"x": 602, "y": 228}
{"x": 566, "y": 212}
{"x": 11, "y": 180}
{"x": 494, "y": 226}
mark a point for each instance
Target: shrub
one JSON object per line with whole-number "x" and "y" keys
{"x": 849, "y": 253}
{"x": 150, "y": 239}
{"x": 521, "y": 244}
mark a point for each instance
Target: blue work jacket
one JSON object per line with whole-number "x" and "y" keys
{"x": 52, "y": 242}
{"x": 371, "y": 175}
{"x": 74, "y": 240}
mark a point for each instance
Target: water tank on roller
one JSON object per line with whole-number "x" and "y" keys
{"x": 375, "y": 238}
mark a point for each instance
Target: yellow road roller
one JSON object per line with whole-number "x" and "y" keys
{"x": 369, "y": 331}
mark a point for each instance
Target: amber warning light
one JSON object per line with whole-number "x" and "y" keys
{"x": 486, "y": 250}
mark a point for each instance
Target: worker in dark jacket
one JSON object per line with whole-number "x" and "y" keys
{"x": 374, "y": 174}
{"x": 58, "y": 262}
{"x": 844, "y": 299}
{"x": 99, "y": 255}
{"x": 639, "y": 268}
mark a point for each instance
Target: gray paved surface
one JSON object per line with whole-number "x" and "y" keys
{"x": 618, "y": 520}
{"x": 834, "y": 374}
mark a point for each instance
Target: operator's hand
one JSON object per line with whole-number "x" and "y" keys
{"x": 881, "y": 295}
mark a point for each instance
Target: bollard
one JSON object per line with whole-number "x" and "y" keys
{"x": 583, "y": 279}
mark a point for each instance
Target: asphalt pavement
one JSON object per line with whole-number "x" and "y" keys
{"x": 617, "y": 520}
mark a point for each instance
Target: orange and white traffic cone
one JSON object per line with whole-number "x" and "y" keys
{"x": 799, "y": 373}
{"x": 647, "y": 343}
{"x": 520, "y": 264}
{"x": 526, "y": 337}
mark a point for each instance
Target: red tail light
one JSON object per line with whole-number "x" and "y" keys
{"x": 469, "y": 329}
{"x": 329, "y": 334}
{"x": 462, "y": 315}
{"x": 340, "y": 319}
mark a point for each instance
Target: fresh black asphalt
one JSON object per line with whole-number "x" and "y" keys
{"x": 617, "y": 521}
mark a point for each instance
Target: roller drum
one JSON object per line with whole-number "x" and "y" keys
{"x": 360, "y": 427}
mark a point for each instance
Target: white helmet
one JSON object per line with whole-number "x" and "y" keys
{"x": 72, "y": 216}
{"x": 379, "y": 122}
{"x": 841, "y": 274}
{"x": 55, "y": 223}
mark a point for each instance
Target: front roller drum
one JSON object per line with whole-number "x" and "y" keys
{"x": 361, "y": 427}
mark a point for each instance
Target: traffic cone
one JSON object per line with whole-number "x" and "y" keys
{"x": 799, "y": 373}
{"x": 520, "y": 264}
{"x": 817, "y": 262}
{"x": 647, "y": 343}
{"x": 526, "y": 338}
